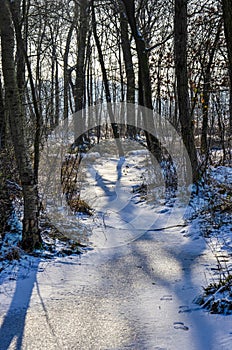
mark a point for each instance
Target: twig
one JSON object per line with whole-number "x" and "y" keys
{"x": 149, "y": 230}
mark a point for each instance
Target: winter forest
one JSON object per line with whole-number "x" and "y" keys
{"x": 115, "y": 163}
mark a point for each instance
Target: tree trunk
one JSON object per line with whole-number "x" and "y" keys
{"x": 89, "y": 79}
{"x": 129, "y": 67}
{"x": 206, "y": 94}
{"x": 66, "y": 71}
{"x": 20, "y": 57}
{"x": 22, "y": 49}
{"x": 227, "y": 16}
{"x": 79, "y": 88}
{"x": 31, "y": 237}
{"x": 2, "y": 119}
{"x": 81, "y": 55}
{"x": 145, "y": 95}
{"x": 127, "y": 56}
{"x": 106, "y": 84}
{"x": 180, "y": 47}
{"x": 57, "y": 95}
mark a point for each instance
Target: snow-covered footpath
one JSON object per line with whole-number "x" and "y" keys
{"x": 133, "y": 290}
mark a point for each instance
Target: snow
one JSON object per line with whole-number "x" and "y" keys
{"x": 137, "y": 287}
{"x": 92, "y": 155}
{"x": 222, "y": 174}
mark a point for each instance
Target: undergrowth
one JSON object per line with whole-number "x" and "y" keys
{"x": 216, "y": 227}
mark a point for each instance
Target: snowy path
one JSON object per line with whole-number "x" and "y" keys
{"x": 133, "y": 296}
{"x": 125, "y": 298}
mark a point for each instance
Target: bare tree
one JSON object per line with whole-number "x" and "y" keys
{"x": 66, "y": 69}
{"x": 31, "y": 235}
{"x": 144, "y": 79}
{"x": 114, "y": 125}
{"x": 180, "y": 48}
{"x": 127, "y": 55}
{"x": 207, "y": 67}
{"x": 2, "y": 119}
{"x": 227, "y": 15}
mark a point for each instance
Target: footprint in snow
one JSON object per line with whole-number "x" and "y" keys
{"x": 180, "y": 325}
{"x": 166, "y": 297}
{"x": 184, "y": 308}
{"x": 163, "y": 211}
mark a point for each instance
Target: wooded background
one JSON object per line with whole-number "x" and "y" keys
{"x": 59, "y": 57}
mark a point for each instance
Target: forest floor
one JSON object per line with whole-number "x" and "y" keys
{"x": 154, "y": 274}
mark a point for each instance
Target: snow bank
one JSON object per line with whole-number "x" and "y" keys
{"x": 91, "y": 155}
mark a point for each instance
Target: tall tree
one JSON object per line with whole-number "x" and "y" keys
{"x": 24, "y": 61}
{"x": 144, "y": 72}
{"x": 31, "y": 236}
{"x": 66, "y": 70}
{"x": 79, "y": 87}
{"x": 227, "y": 16}
{"x": 144, "y": 79}
{"x": 180, "y": 48}
{"x": 2, "y": 119}
{"x": 114, "y": 125}
{"x": 206, "y": 91}
{"x": 128, "y": 62}
{"x": 127, "y": 55}
{"x": 81, "y": 54}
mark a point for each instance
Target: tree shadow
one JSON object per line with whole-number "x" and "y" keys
{"x": 13, "y": 324}
{"x": 140, "y": 328}
{"x": 104, "y": 183}
{"x": 12, "y": 327}
{"x": 185, "y": 256}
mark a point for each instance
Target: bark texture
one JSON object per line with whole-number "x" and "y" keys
{"x": 127, "y": 55}
{"x": 114, "y": 125}
{"x": 31, "y": 236}
{"x": 2, "y": 119}
{"x": 206, "y": 93}
{"x": 129, "y": 67}
{"x": 227, "y": 16}
{"x": 180, "y": 47}
{"x": 145, "y": 95}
